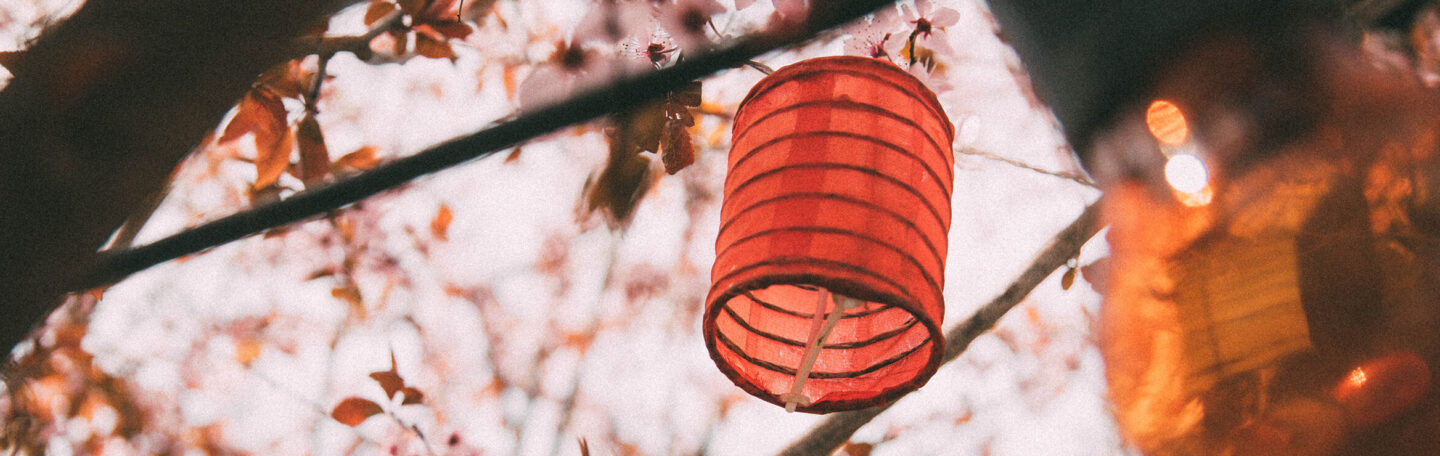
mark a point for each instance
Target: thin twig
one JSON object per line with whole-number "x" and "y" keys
{"x": 837, "y": 428}
{"x": 312, "y": 99}
{"x": 355, "y": 44}
{"x": 1082, "y": 180}
{"x": 625, "y": 93}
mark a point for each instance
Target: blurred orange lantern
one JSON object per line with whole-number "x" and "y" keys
{"x": 830, "y": 257}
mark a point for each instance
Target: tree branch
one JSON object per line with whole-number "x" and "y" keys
{"x": 837, "y": 428}
{"x": 626, "y": 93}
{"x": 100, "y": 109}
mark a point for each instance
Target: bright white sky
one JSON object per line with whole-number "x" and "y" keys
{"x": 1032, "y": 387}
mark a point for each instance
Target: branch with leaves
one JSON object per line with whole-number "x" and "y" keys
{"x": 837, "y": 428}
{"x": 625, "y": 94}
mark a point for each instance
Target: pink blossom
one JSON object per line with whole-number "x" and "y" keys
{"x": 929, "y": 29}
{"x": 686, "y": 20}
{"x": 869, "y": 37}
{"x": 612, "y": 20}
{"x": 570, "y": 69}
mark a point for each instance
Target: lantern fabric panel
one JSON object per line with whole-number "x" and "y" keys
{"x": 836, "y": 211}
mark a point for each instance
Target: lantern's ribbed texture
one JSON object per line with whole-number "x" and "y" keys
{"x": 839, "y": 182}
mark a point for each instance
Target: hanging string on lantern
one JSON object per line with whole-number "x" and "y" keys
{"x": 829, "y": 270}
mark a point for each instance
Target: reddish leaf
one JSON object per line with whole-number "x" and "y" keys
{"x": 412, "y": 7}
{"x": 619, "y": 187}
{"x": 378, "y": 10}
{"x": 584, "y": 447}
{"x": 361, "y": 159}
{"x": 677, "y": 152}
{"x": 433, "y": 48}
{"x": 858, "y": 449}
{"x": 456, "y": 30}
{"x": 508, "y": 77}
{"x": 389, "y": 380}
{"x": 350, "y": 294}
{"x": 314, "y": 157}
{"x": 513, "y": 156}
{"x": 640, "y": 129}
{"x": 283, "y": 79}
{"x": 271, "y": 162}
{"x": 440, "y": 225}
{"x": 412, "y": 396}
{"x": 257, "y": 111}
{"x": 353, "y": 410}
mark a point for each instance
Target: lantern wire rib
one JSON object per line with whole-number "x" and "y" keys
{"x": 620, "y": 95}
{"x": 910, "y": 323}
{"x": 769, "y": 305}
{"x": 837, "y": 428}
{"x": 888, "y": 211}
{"x": 733, "y": 347}
{"x": 925, "y": 273}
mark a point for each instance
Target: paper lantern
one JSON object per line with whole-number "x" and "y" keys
{"x": 830, "y": 257}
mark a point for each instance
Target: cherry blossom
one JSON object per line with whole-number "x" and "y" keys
{"x": 929, "y": 30}
{"x": 571, "y": 68}
{"x": 868, "y": 37}
{"x": 687, "y": 20}
{"x": 611, "y": 21}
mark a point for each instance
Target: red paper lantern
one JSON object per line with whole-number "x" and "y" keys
{"x": 830, "y": 260}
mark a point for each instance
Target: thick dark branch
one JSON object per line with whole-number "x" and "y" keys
{"x": 99, "y": 112}
{"x": 620, "y": 95}
{"x": 837, "y": 428}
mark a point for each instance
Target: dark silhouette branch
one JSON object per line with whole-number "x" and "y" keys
{"x": 101, "y": 108}
{"x": 625, "y": 93}
{"x": 837, "y": 428}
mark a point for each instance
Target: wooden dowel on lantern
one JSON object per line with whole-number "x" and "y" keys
{"x": 815, "y": 343}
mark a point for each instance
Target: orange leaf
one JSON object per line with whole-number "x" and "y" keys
{"x": 677, "y": 152}
{"x": 247, "y": 350}
{"x": 457, "y": 30}
{"x": 1068, "y": 279}
{"x": 412, "y": 396}
{"x": 361, "y": 159}
{"x": 433, "y": 48}
{"x": 283, "y": 79}
{"x": 440, "y": 225}
{"x": 377, "y": 10}
{"x": 270, "y": 162}
{"x": 508, "y": 76}
{"x": 619, "y": 188}
{"x": 389, "y": 381}
{"x": 640, "y": 129}
{"x": 314, "y": 157}
{"x": 353, "y": 410}
{"x": 858, "y": 449}
{"x": 513, "y": 156}
{"x": 247, "y": 117}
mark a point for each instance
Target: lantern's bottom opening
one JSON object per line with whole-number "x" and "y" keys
{"x": 836, "y": 352}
